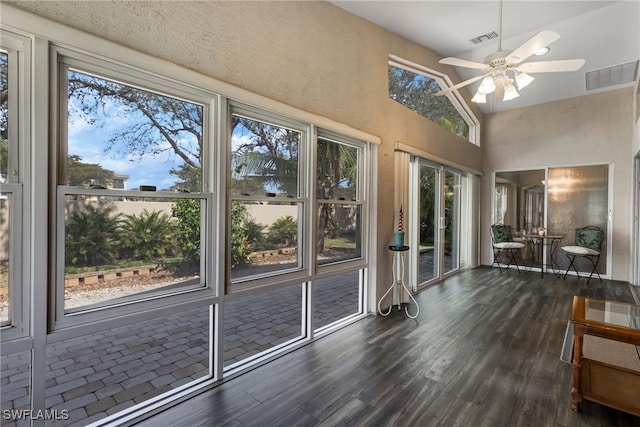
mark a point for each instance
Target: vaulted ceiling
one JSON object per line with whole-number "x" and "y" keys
{"x": 605, "y": 33}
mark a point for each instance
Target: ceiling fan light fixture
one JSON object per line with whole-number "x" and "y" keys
{"x": 487, "y": 86}
{"x": 542, "y": 51}
{"x": 523, "y": 79}
{"x": 479, "y": 98}
{"x": 510, "y": 91}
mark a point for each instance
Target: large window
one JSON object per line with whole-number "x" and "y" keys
{"x": 268, "y": 200}
{"x": 131, "y": 214}
{"x": 337, "y": 297}
{"x": 341, "y": 237}
{"x": 141, "y": 197}
{"x": 276, "y": 296}
{"x": 98, "y": 374}
{"x": 339, "y": 202}
{"x": 14, "y": 120}
{"x": 258, "y": 323}
{"x": 415, "y": 88}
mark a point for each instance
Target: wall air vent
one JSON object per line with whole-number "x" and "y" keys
{"x": 484, "y": 37}
{"x": 611, "y": 76}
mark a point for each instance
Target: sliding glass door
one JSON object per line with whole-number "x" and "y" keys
{"x": 451, "y": 225}
{"x": 560, "y": 199}
{"x": 578, "y": 197}
{"x": 428, "y": 214}
{"x": 435, "y": 212}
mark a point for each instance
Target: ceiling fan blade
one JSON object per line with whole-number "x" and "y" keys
{"x": 531, "y": 46}
{"x": 457, "y": 62}
{"x": 459, "y": 85}
{"x": 551, "y": 66}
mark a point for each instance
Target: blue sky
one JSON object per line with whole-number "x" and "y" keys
{"x": 91, "y": 130}
{"x": 91, "y": 143}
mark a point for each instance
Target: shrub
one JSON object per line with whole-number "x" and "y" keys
{"x": 284, "y": 231}
{"x": 255, "y": 234}
{"x": 92, "y": 236}
{"x": 239, "y": 236}
{"x": 148, "y": 236}
{"x": 187, "y": 213}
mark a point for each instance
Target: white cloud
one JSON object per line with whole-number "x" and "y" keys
{"x": 91, "y": 143}
{"x": 240, "y": 140}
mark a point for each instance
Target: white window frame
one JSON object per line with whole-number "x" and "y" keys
{"x": 454, "y": 97}
{"x": 361, "y": 265}
{"x": 18, "y": 49}
{"x": 310, "y": 271}
{"x": 361, "y": 200}
{"x": 301, "y": 272}
{"x": 63, "y": 323}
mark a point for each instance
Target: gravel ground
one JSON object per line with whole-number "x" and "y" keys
{"x": 84, "y": 295}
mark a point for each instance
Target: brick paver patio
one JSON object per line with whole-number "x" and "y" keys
{"x": 96, "y": 375}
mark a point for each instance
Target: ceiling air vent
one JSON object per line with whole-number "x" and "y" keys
{"x": 484, "y": 37}
{"x": 611, "y": 76}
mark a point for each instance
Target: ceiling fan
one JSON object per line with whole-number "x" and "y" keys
{"x": 498, "y": 66}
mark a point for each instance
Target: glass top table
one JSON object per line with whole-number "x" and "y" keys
{"x": 603, "y": 381}
{"x": 605, "y": 317}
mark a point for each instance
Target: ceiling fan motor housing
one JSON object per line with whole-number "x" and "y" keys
{"x": 497, "y": 59}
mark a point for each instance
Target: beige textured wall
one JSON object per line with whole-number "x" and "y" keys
{"x": 310, "y": 55}
{"x": 586, "y": 130}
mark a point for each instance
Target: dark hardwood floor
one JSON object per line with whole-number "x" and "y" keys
{"x": 484, "y": 351}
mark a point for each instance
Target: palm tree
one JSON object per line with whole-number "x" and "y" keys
{"x": 264, "y": 157}
{"x": 337, "y": 179}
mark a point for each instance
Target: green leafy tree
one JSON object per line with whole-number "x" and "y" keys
{"x": 267, "y": 159}
{"x": 337, "y": 169}
{"x": 417, "y": 92}
{"x": 92, "y": 236}
{"x": 4, "y": 156}
{"x": 4, "y": 112}
{"x": 81, "y": 174}
{"x": 189, "y": 176}
{"x": 239, "y": 237}
{"x": 166, "y": 125}
{"x": 427, "y": 206}
{"x": 187, "y": 229}
{"x": 147, "y": 236}
{"x": 162, "y": 125}
{"x": 284, "y": 231}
